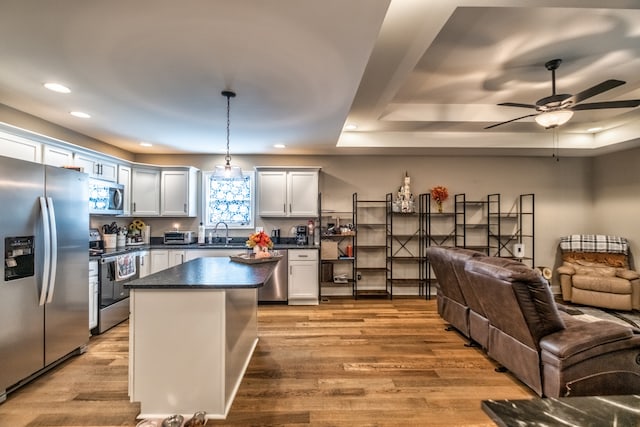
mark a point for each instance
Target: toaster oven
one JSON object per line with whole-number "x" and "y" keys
{"x": 179, "y": 237}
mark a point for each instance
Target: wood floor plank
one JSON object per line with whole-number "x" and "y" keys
{"x": 342, "y": 363}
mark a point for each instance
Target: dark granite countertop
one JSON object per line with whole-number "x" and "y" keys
{"x": 595, "y": 411}
{"x": 207, "y": 273}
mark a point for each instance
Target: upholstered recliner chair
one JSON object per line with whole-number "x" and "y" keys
{"x": 595, "y": 272}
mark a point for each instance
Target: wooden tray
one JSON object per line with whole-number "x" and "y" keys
{"x": 251, "y": 258}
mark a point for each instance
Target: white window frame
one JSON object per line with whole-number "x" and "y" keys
{"x": 206, "y": 176}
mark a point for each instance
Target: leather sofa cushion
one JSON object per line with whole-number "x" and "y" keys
{"x": 612, "y": 285}
{"x": 531, "y": 291}
{"x": 581, "y": 337}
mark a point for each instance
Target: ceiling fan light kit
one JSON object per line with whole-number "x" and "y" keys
{"x": 226, "y": 170}
{"x": 557, "y": 109}
{"x": 552, "y": 119}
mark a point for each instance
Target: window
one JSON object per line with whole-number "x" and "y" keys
{"x": 229, "y": 200}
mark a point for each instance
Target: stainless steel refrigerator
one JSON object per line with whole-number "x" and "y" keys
{"x": 44, "y": 297}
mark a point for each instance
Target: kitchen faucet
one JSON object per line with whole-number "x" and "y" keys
{"x": 226, "y": 236}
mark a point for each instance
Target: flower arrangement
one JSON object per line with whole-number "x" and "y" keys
{"x": 439, "y": 193}
{"x": 260, "y": 239}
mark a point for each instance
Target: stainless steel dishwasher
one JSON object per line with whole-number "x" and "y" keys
{"x": 277, "y": 287}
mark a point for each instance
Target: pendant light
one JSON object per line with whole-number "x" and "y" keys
{"x": 228, "y": 171}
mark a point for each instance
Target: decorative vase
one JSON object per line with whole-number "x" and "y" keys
{"x": 439, "y": 204}
{"x": 261, "y": 251}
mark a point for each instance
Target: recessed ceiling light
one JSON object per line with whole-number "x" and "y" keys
{"x": 280, "y": 146}
{"x": 351, "y": 126}
{"x": 146, "y": 144}
{"x": 57, "y": 87}
{"x": 596, "y": 129}
{"x": 80, "y": 114}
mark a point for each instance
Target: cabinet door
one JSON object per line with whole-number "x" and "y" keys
{"x": 87, "y": 163}
{"x": 272, "y": 193}
{"x": 124, "y": 178}
{"x": 176, "y": 257}
{"x": 303, "y": 276}
{"x": 108, "y": 170}
{"x": 145, "y": 191}
{"x": 20, "y": 148}
{"x": 145, "y": 264}
{"x": 96, "y": 167}
{"x": 302, "y": 193}
{"x": 159, "y": 260}
{"x": 56, "y": 156}
{"x": 174, "y": 193}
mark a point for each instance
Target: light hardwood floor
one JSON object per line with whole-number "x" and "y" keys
{"x": 342, "y": 363}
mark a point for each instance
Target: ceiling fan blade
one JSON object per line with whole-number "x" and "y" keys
{"x": 509, "y": 121}
{"x": 516, "y": 104}
{"x": 593, "y": 91}
{"x": 630, "y": 103}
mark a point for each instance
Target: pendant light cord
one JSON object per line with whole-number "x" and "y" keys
{"x": 229, "y": 94}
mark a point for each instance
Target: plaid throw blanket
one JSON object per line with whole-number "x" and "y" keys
{"x": 594, "y": 243}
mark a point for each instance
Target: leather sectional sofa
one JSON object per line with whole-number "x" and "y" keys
{"x": 548, "y": 350}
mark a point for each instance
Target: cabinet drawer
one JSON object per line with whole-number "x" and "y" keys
{"x": 303, "y": 254}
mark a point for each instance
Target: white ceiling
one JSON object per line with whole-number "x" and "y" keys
{"x": 416, "y": 76}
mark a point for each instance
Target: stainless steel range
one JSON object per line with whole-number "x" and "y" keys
{"x": 115, "y": 268}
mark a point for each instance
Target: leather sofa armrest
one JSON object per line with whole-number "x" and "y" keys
{"x": 581, "y": 337}
{"x": 565, "y": 269}
{"x": 627, "y": 274}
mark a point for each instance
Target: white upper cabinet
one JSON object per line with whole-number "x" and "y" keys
{"x": 145, "y": 191}
{"x": 302, "y": 193}
{"x": 272, "y": 193}
{"x": 20, "y": 148}
{"x": 179, "y": 192}
{"x": 124, "y": 178}
{"x": 288, "y": 192}
{"x": 97, "y": 167}
{"x": 56, "y": 156}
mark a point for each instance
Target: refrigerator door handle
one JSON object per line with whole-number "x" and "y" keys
{"x": 54, "y": 250}
{"x": 44, "y": 211}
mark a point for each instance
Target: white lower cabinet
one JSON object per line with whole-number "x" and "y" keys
{"x": 145, "y": 264}
{"x": 161, "y": 259}
{"x": 303, "y": 277}
{"x": 176, "y": 257}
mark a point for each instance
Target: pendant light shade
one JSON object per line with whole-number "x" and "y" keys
{"x": 226, "y": 170}
{"x": 552, "y": 119}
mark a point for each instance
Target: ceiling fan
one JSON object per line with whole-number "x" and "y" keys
{"x": 556, "y": 109}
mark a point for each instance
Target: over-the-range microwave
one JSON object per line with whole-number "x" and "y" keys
{"x": 105, "y": 197}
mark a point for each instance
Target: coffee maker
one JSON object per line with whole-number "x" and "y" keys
{"x": 301, "y": 235}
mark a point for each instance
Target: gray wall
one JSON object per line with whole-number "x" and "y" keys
{"x": 616, "y": 187}
{"x": 563, "y": 206}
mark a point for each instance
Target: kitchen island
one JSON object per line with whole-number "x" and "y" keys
{"x": 193, "y": 330}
